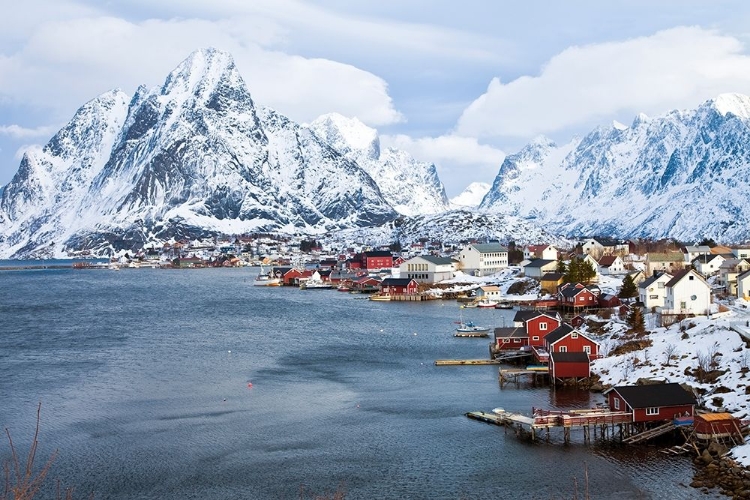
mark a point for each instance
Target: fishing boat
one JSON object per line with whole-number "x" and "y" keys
{"x": 266, "y": 279}
{"x": 504, "y": 305}
{"x": 315, "y": 282}
{"x": 485, "y": 302}
{"x": 471, "y": 330}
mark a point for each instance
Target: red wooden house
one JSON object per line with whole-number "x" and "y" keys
{"x": 399, "y": 286}
{"x": 566, "y": 338}
{"x": 511, "y": 338}
{"x": 538, "y": 324}
{"x": 569, "y": 365}
{"x": 651, "y": 403}
{"x": 577, "y": 321}
{"x": 609, "y": 300}
{"x": 577, "y": 296}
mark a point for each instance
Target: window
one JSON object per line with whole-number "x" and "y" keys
{"x": 653, "y": 296}
{"x": 542, "y": 326}
{"x": 574, "y": 335}
{"x": 652, "y": 411}
{"x": 516, "y": 341}
{"x": 563, "y": 348}
{"x": 587, "y": 349}
{"x": 535, "y": 337}
{"x": 690, "y": 277}
{"x": 617, "y": 403}
{"x": 505, "y": 341}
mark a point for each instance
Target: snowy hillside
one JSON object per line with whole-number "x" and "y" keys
{"x": 679, "y": 175}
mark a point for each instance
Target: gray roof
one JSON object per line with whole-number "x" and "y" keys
{"x": 438, "y": 261}
{"x": 511, "y": 332}
{"x": 654, "y": 395}
{"x": 648, "y": 281}
{"x": 489, "y": 247}
{"x": 539, "y": 263}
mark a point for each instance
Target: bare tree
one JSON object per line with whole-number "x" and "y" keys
{"x": 669, "y": 352}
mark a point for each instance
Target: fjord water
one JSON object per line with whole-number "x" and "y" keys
{"x": 174, "y": 384}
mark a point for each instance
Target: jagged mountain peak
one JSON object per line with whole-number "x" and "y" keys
{"x": 679, "y": 175}
{"x": 736, "y": 104}
{"x": 347, "y": 135}
{"x": 201, "y": 73}
{"x": 410, "y": 186}
{"x": 470, "y": 197}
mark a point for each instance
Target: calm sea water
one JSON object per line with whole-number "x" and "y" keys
{"x": 144, "y": 376}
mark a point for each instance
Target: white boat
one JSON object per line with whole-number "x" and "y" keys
{"x": 315, "y": 282}
{"x": 266, "y": 279}
{"x": 377, "y": 296}
{"x": 471, "y": 330}
{"x": 487, "y": 303}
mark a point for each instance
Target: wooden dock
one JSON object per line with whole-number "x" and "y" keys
{"x": 601, "y": 422}
{"x": 461, "y": 362}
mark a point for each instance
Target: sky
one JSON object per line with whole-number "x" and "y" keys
{"x": 459, "y": 84}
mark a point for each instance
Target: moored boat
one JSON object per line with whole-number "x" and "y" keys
{"x": 504, "y": 305}
{"x": 487, "y": 303}
{"x": 471, "y": 330}
{"x": 266, "y": 279}
{"x": 377, "y": 296}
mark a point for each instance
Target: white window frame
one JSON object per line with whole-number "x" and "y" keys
{"x": 587, "y": 349}
{"x": 617, "y": 403}
{"x": 574, "y": 335}
{"x": 654, "y": 410}
{"x": 562, "y": 348}
{"x": 543, "y": 325}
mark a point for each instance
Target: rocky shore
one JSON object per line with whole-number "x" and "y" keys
{"x": 717, "y": 470}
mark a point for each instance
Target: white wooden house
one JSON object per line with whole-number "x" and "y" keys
{"x": 687, "y": 293}
{"x": 708, "y": 264}
{"x": 743, "y": 285}
{"x": 546, "y": 252}
{"x": 611, "y": 264}
{"x": 728, "y": 272}
{"x": 652, "y": 290}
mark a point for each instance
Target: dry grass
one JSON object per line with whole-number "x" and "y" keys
{"x": 22, "y": 482}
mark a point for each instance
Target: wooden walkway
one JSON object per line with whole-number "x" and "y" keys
{"x": 457, "y": 362}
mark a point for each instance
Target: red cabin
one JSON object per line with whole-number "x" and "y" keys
{"x": 651, "y": 403}
{"x": 566, "y": 338}
{"x": 573, "y": 365}
{"x": 577, "y": 297}
{"x": 717, "y": 425}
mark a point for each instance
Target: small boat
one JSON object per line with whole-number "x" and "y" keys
{"x": 487, "y": 303}
{"x": 343, "y": 288}
{"x": 471, "y": 330}
{"x": 377, "y": 296}
{"x": 504, "y": 305}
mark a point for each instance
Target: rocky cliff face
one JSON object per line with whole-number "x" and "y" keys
{"x": 410, "y": 186}
{"x": 682, "y": 175}
{"x": 193, "y": 157}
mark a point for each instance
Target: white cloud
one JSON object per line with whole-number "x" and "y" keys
{"x": 65, "y": 63}
{"x": 19, "y": 133}
{"x": 674, "y": 68}
{"x": 459, "y": 160}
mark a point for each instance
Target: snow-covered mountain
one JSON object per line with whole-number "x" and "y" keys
{"x": 470, "y": 197}
{"x": 410, "y": 186}
{"x": 684, "y": 175}
{"x": 192, "y": 157}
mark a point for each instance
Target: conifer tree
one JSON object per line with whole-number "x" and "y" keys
{"x": 628, "y": 288}
{"x": 636, "y": 321}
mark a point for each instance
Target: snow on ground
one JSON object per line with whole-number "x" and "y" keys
{"x": 676, "y": 352}
{"x": 504, "y": 279}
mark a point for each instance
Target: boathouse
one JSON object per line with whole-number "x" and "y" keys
{"x": 651, "y": 403}
{"x": 717, "y": 426}
{"x": 567, "y": 338}
{"x": 399, "y": 286}
{"x": 569, "y": 365}
{"x": 511, "y": 338}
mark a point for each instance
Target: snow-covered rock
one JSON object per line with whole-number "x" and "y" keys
{"x": 470, "y": 197}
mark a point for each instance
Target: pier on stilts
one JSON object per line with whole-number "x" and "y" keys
{"x": 514, "y": 375}
{"x": 595, "y": 423}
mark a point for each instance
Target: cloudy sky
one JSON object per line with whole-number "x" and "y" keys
{"x": 459, "y": 84}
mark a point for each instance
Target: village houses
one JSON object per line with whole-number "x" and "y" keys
{"x": 539, "y": 267}
{"x": 611, "y": 264}
{"x": 708, "y": 264}
{"x": 728, "y": 272}
{"x": 666, "y": 262}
